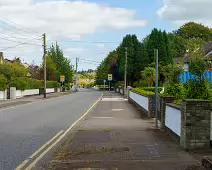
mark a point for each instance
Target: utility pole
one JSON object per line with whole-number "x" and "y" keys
{"x": 125, "y": 73}
{"x": 76, "y": 73}
{"x": 156, "y": 89}
{"x": 44, "y": 64}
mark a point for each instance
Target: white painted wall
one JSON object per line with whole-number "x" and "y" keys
{"x": 50, "y": 90}
{"x": 30, "y": 92}
{"x": 143, "y": 101}
{"x": 3, "y": 95}
{"x": 117, "y": 90}
{"x": 19, "y": 94}
{"x": 121, "y": 91}
{"x": 173, "y": 119}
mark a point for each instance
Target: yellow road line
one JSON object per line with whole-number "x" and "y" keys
{"x": 39, "y": 150}
{"x": 61, "y": 137}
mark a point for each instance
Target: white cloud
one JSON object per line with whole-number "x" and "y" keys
{"x": 100, "y": 45}
{"x": 180, "y": 11}
{"x": 74, "y": 50}
{"x": 60, "y": 20}
{"x": 68, "y": 18}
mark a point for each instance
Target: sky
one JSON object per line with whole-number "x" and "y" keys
{"x": 89, "y": 29}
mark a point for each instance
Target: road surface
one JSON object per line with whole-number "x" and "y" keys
{"x": 24, "y": 129}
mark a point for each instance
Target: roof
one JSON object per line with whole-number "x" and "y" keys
{"x": 187, "y": 58}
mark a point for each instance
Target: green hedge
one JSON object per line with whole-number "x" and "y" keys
{"x": 152, "y": 89}
{"x": 28, "y": 83}
{"x": 3, "y": 83}
{"x": 142, "y": 92}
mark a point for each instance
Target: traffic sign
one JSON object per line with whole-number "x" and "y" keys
{"x": 110, "y": 77}
{"x": 62, "y": 78}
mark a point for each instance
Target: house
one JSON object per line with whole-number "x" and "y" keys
{"x": 187, "y": 58}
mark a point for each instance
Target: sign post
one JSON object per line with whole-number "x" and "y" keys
{"x": 110, "y": 78}
{"x": 62, "y": 80}
{"x": 104, "y": 84}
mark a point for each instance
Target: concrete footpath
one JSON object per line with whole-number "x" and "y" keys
{"x": 114, "y": 136}
{"x": 29, "y": 99}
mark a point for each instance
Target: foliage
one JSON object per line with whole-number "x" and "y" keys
{"x": 172, "y": 73}
{"x": 3, "y": 82}
{"x": 176, "y": 90}
{"x": 142, "y": 92}
{"x": 152, "y": 89}
{"x": 195, "y": 30}
{"x": 13, "y": 70}
{"x": 119, "y": 84}
{"x": 178, "y": 101}
{"x": 149, "y": 75}
{"x": 19, "y": 83}
{"x": 51, "y": 70}
{"x": 198, "y": 65}
{"x": 52, "y": 84}
{"x": 198, "y": 90}
{"x": 63, "y": 65}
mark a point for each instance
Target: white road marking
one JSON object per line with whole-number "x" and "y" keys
{"x": 102, "y": 117}
{"x": 116, "y": 110}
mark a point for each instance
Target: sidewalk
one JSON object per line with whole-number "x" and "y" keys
{"x": 114, "y": 137}
{"x": 29, "y": 99}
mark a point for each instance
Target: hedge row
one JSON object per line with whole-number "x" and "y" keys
{"x": 26, "y": 83}
{"x": 142, "y": 92}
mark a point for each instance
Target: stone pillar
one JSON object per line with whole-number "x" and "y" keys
{"x": 128, "y": 91}
{"x": 162, "y": 109}
{"x": 152, "y": 101}
{"x": 12, "y": 92}
{"x": 195, "y": 124}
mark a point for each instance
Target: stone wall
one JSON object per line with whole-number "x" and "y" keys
{"x": 152, "y": 103}
{"x": 162, "y": 109}
{"x": 195, "y": 124}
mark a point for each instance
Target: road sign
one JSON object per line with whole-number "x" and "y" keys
{"x": 110, "y": 77}
{"x": 62, "y": 78}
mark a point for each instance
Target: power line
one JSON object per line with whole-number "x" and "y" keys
{"x": 19, "y": 45}
{"x": 12, "y": 40}
{"x": 19, "y": 26}
{"x": 103, "y": 42}
{"x": 89, "y": 60}
{"x": 12, "y": 31}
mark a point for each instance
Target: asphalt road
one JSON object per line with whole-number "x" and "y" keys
{"x": 24, "y": 129}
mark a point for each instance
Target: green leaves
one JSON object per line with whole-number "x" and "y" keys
{"x": 3, "y": 82}
{"x": 149, "y": 75}
{"x": 63, "y": 65}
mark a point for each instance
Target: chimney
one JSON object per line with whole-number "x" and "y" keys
{"x": 1, "y": 58}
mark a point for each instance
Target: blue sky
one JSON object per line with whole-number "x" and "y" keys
{"x": 88, "y": 21}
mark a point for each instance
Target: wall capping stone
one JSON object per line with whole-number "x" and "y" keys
{"x": 176, "y": 106}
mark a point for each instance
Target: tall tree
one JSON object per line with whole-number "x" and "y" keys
{"x": 63, "y": 64}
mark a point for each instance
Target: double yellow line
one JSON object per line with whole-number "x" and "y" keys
{"x": 32, "y": 165}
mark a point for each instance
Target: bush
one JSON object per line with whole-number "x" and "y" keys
{"x": 198, "y": 90}
{"x": 3, "y": 83}
{"x": 19, "y": 83}
{"x": 152, "y": 89}
{"x": 176, "y": 90}
{"x": 143, "y": 92}
{"x": 52, "y": 84}
{"x": 121, "y": 84}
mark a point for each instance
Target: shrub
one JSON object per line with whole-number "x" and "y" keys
{"x": 143, "y": 92}
{"x": 3, "y": 82}
{"x": 152, "y": 89}
{"x": 19, "y": 83}
{"x": 52, "y": 84}
{"x": 121, "y": 84}
{"x": 198, "y": 90}
{"x": 177, "y": 90}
